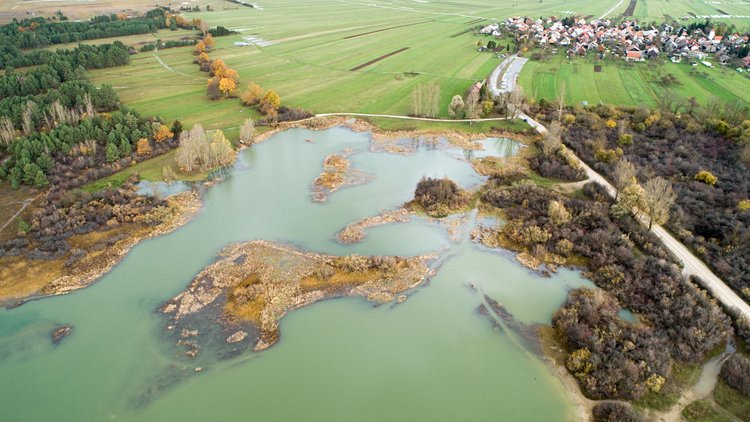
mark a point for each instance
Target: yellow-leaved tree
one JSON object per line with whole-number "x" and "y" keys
{"x": 270, "y": 102}
{"x": 252, "y": 94}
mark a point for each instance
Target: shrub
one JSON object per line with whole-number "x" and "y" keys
{"x": 706, "y": 177}
{"x": 625, "y": 139}
{"x": 615, "y": 412}
{"x": 438, "y": 196}
{"x": 736, "y": 373}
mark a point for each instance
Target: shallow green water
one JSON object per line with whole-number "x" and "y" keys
{"x": 431, "y": 358}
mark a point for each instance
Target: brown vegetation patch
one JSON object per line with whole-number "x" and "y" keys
{"x": 499, "y": 167}
{"x": 336, "y": 174}
{"x": 355, "y": 232}
{"x": 11, "y": 202}
{"x": 261, "y": 281}
{"x": 438, "y": 197}
{"x": 383, "y": 57}
{"x": 22, "y": 278}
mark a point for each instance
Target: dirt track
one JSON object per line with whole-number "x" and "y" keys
{"x": 383, "y": 57}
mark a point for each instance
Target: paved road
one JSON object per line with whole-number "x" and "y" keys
{"x": 503, "y": 77}
{"x": 692, "y": 265}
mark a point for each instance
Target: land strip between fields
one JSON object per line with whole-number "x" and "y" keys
{"x": 383, "y": 57}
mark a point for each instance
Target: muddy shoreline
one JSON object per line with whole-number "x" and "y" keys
{"x": 454, "y": 136}
{"x": 259, "y": 282}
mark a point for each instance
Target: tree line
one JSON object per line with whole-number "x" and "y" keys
{"x": 28, "y": 96}
{"x": 40, "y": 32}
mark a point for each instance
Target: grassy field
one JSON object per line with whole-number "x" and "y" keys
{"x": 628, "y": 84}
{"x": 74, "y": 9}
{"x": 738, "y": 11}
{"x": 313, "y": 50}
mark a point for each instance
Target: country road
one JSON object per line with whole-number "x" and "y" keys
{"x": 692, "y": 265}
{"x": 611, "y": 10}
{"x": 424, "y": 119}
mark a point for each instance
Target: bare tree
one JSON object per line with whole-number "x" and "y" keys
{"x": 551, "y": 142}
{"x": 247, "y": 131}
{"x": 658, "y": 198}
{"x": 221, "y": 151}
{"x": 425, "y": 100}
{"x": 26, "y": 118}
{"x": 7, "y": 131}
{"x": 472, "y": 104}
{"x": 88, "y": 107}
{"x": 515, "y": 102}
{"x": 692, "y": 103}
{"x": 192, "y": 150}
{"x": 560, "y": 104}
{"x": 456, "y": 107}
{"x": 670, "y": 102}
{"x": 734, "y": 111}
{"x": 623, "y": 175}
{"x": 197, "y": 153}
{"x": 712, "y": 109}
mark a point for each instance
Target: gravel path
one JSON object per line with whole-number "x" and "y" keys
{"x": 691, "y": 264}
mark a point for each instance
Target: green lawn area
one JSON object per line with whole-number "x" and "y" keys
{"x": 477, "y": 127}
{"x": 624, "y": 84}
{"x": 150, "y": 169}
{"x": 732, "y": 401}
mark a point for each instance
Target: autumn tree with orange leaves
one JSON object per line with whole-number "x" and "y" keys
{"x": 162, "y": 132}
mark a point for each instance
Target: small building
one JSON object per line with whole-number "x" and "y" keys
{"x": 633, "y": 54}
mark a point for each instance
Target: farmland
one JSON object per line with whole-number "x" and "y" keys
{"x": 729, "y": 11}
{"x": 619, "y": 83}
{"x": 309, "y": 56}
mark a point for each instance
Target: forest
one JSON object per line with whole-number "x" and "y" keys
{"x": 58, "y": 114}
{"x": 706, "y": 157}
{"x": 40, "y": 32}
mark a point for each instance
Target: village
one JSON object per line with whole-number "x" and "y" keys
{"x": 628, "y": 40}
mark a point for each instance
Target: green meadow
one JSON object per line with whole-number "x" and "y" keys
{"x": 678, "y": 9}
{"x": 312, "y": 51}
{"x": 619, "y": 83}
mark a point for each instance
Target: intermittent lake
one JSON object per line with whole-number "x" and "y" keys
{"x": 433, "y": 357}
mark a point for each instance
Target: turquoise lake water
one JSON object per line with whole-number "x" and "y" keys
{"x": 431, "y": 358}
